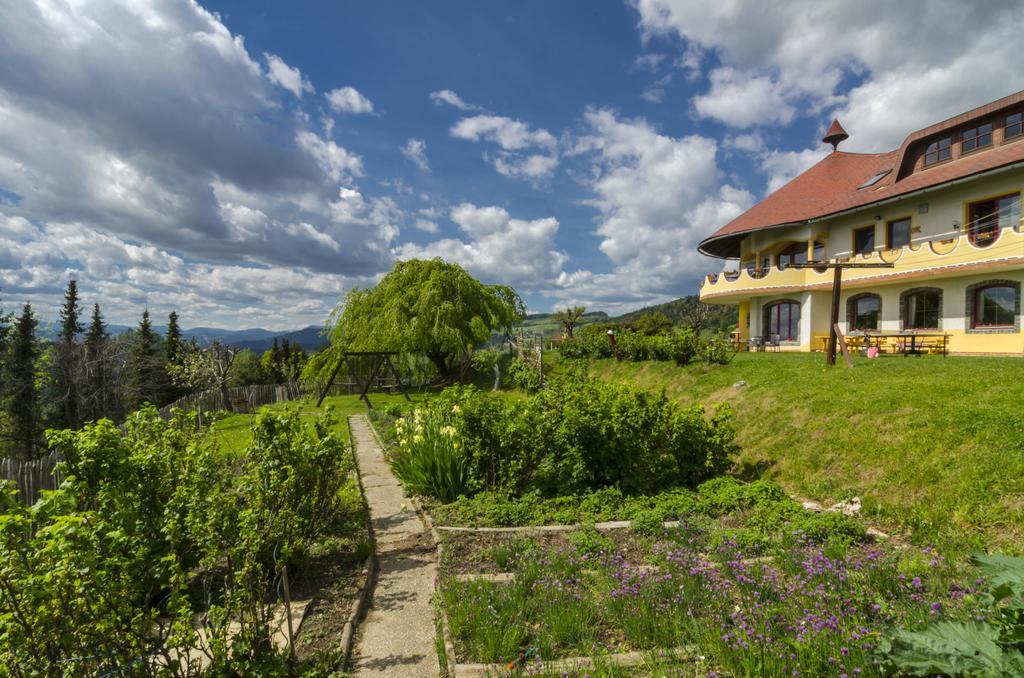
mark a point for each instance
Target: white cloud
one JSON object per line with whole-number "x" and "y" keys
{"x": 333, "y": 159}
{"x": 427, "y": 226}
{"x": 749, "y": 143}
{"x": 170, "y": 150}
{"x": 415, "y": 150}
{"x": 657, "y": 197}
{"x": 499, "y": 248}
{"x": 514, "y": 140}
{"x": 509, "y": 134}
{"x": 914, "y": 62}
{"x": 283, "y": 75}
{"x": 655, "y": 92}
{"x": 650, "y": 61}
{"x": 349, "y": 100}
{"x": 446, "y": 96}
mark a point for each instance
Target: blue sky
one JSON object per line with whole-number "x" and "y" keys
{"x": 246, "y": 163}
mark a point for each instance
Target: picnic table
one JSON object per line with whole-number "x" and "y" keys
{"x": 907, "y": 342}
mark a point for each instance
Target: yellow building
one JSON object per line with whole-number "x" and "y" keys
{"x": 944, "y": 209}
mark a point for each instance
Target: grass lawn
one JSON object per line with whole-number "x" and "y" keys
{"x": 934, "y": 445}
{"x": 234, "y": 429}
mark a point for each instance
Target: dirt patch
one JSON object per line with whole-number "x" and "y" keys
{"x": 333, "y": 579}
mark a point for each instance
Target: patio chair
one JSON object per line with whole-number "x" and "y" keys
{"x": 775, "y": 343}
{"x": 756, "y": 344}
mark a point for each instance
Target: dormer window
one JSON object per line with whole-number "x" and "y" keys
{"x": 976, "y": 137}
{"x": 1014, "y": 125}
{"x": 938, "y": 150}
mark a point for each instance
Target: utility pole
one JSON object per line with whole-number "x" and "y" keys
{"x": 837, "y": 284}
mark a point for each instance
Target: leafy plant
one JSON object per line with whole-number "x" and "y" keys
{"x": 427, "y": 458}
{"x": 990, "y": 647}
{"x": 524, "y": 375}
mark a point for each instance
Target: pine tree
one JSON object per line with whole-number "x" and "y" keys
{"x": 172, "y": 340}
{"x": 173, "y": 352}
{"x": 97, "y": 398}
{"x": 67, "y": 360}
{"x": 147, "y": 375}
{"x": 21, "y": 399}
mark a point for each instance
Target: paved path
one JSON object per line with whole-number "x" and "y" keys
{"x": 397, "y": 636}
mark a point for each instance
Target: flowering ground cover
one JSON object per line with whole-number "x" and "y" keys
{"x": 805, "y": 608}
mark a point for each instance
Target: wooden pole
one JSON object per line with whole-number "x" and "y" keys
{"x": 837, "y": 282}
{"x": 398, "y": 377}
{"x": 288, "y": 613}
{"x": 842, "y": 345}
{"x": 327, "y": 386}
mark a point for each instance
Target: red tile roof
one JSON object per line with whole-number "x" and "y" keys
{"x": 834, "y": 184}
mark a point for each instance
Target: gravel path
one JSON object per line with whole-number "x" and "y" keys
{"x": 397, "y": 636}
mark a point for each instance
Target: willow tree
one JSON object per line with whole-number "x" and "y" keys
{"x": 429, "y": 307}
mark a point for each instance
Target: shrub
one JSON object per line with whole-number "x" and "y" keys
{"x": 716, "y": 350}
{"x": 681, "y": 346}
{"x": 589, "y": 541}
{"x": 648, "y": 522}
{"x": 524, "y": 375}
{"x": 427, "y": 458}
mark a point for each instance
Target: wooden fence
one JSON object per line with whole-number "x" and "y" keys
{"x": 32, "y": 477}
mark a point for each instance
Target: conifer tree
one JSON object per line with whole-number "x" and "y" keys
{"x": 21, "y": 399}
{"x": 173, "y": 355}
{"x": 97, "y": 398}
{"x": 67, "y": 360}
{"x": 147, "y": 377}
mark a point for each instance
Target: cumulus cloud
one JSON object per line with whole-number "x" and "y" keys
{"x": 349, "y": 100}
{"x": 446, "y": 96}
{"x": 741, "y": 99}
{"x": 509, "y": 134}
{"x": 914, "y": 63}
{"x": 499, "y": 247}
{"x": 283, "y": 75}
{"x": 415, "y": 150}
{"x": 179, "y": 145}
{"x": 514, "y": 139}
{"x": 657, "y": 196}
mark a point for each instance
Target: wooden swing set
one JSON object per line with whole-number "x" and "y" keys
{"x": 378, "y": 360}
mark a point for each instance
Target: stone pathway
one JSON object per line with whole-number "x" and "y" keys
{"x": 397, "y": 636}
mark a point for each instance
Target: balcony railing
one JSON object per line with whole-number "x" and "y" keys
{"x": 947, "y": 251}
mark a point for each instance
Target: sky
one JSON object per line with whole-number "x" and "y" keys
{"x": 245, "y": 163}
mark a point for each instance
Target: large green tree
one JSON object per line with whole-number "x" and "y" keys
{"x": 430, "y": 307}
{"x": 21, "y": 396}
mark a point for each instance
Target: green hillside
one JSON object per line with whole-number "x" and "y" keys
{"x": 682, "y": 310}
{"x": 933, "y": 446}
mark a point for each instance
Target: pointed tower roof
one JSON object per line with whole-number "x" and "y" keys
{"x": 835, "y": 135}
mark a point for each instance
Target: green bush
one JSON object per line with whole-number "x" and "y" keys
{"x": 681, "y": 346}
{"x": 717, "y": 350}
{"x": 97, "y": 575}
{"x": 524, "y": 375}
{"x": 580, "y": 435}
{"x": 427, "y": 458}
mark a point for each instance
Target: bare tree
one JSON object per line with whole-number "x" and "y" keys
{"x": 697, "y": 315}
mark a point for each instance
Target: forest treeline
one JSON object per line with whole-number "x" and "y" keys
{"x": 85, "y": 373}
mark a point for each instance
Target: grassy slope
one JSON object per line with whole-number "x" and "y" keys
{"x": 934, "y": 445}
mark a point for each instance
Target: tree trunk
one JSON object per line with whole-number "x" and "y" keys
{"x": 440, "y": 361}
{"x": 225, "y": 395}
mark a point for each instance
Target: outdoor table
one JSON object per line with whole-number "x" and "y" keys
{"x": 910, "y": 339}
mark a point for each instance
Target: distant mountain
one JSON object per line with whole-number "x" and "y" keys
{"x": 310, "y": 338}
{"x": 256, "y": 338}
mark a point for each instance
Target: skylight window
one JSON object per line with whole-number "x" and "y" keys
{"x": 875, "y": 179}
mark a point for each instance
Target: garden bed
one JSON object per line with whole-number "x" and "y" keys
{"x": 809, "y": 608}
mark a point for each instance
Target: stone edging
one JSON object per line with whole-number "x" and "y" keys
{"x": 348, "y": 633}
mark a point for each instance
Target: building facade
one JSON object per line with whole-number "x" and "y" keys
{"x": 944, "y": 209}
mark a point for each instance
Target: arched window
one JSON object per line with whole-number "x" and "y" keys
{"x": 782, "y": 318}
{"x": 921, "y": 309}
{"x": 794, "y": 254}
{"x": 994, "y": 305}
{"x": 865, "y": 311}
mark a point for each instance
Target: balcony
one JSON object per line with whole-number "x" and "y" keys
{"x": 947, "y": 256}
